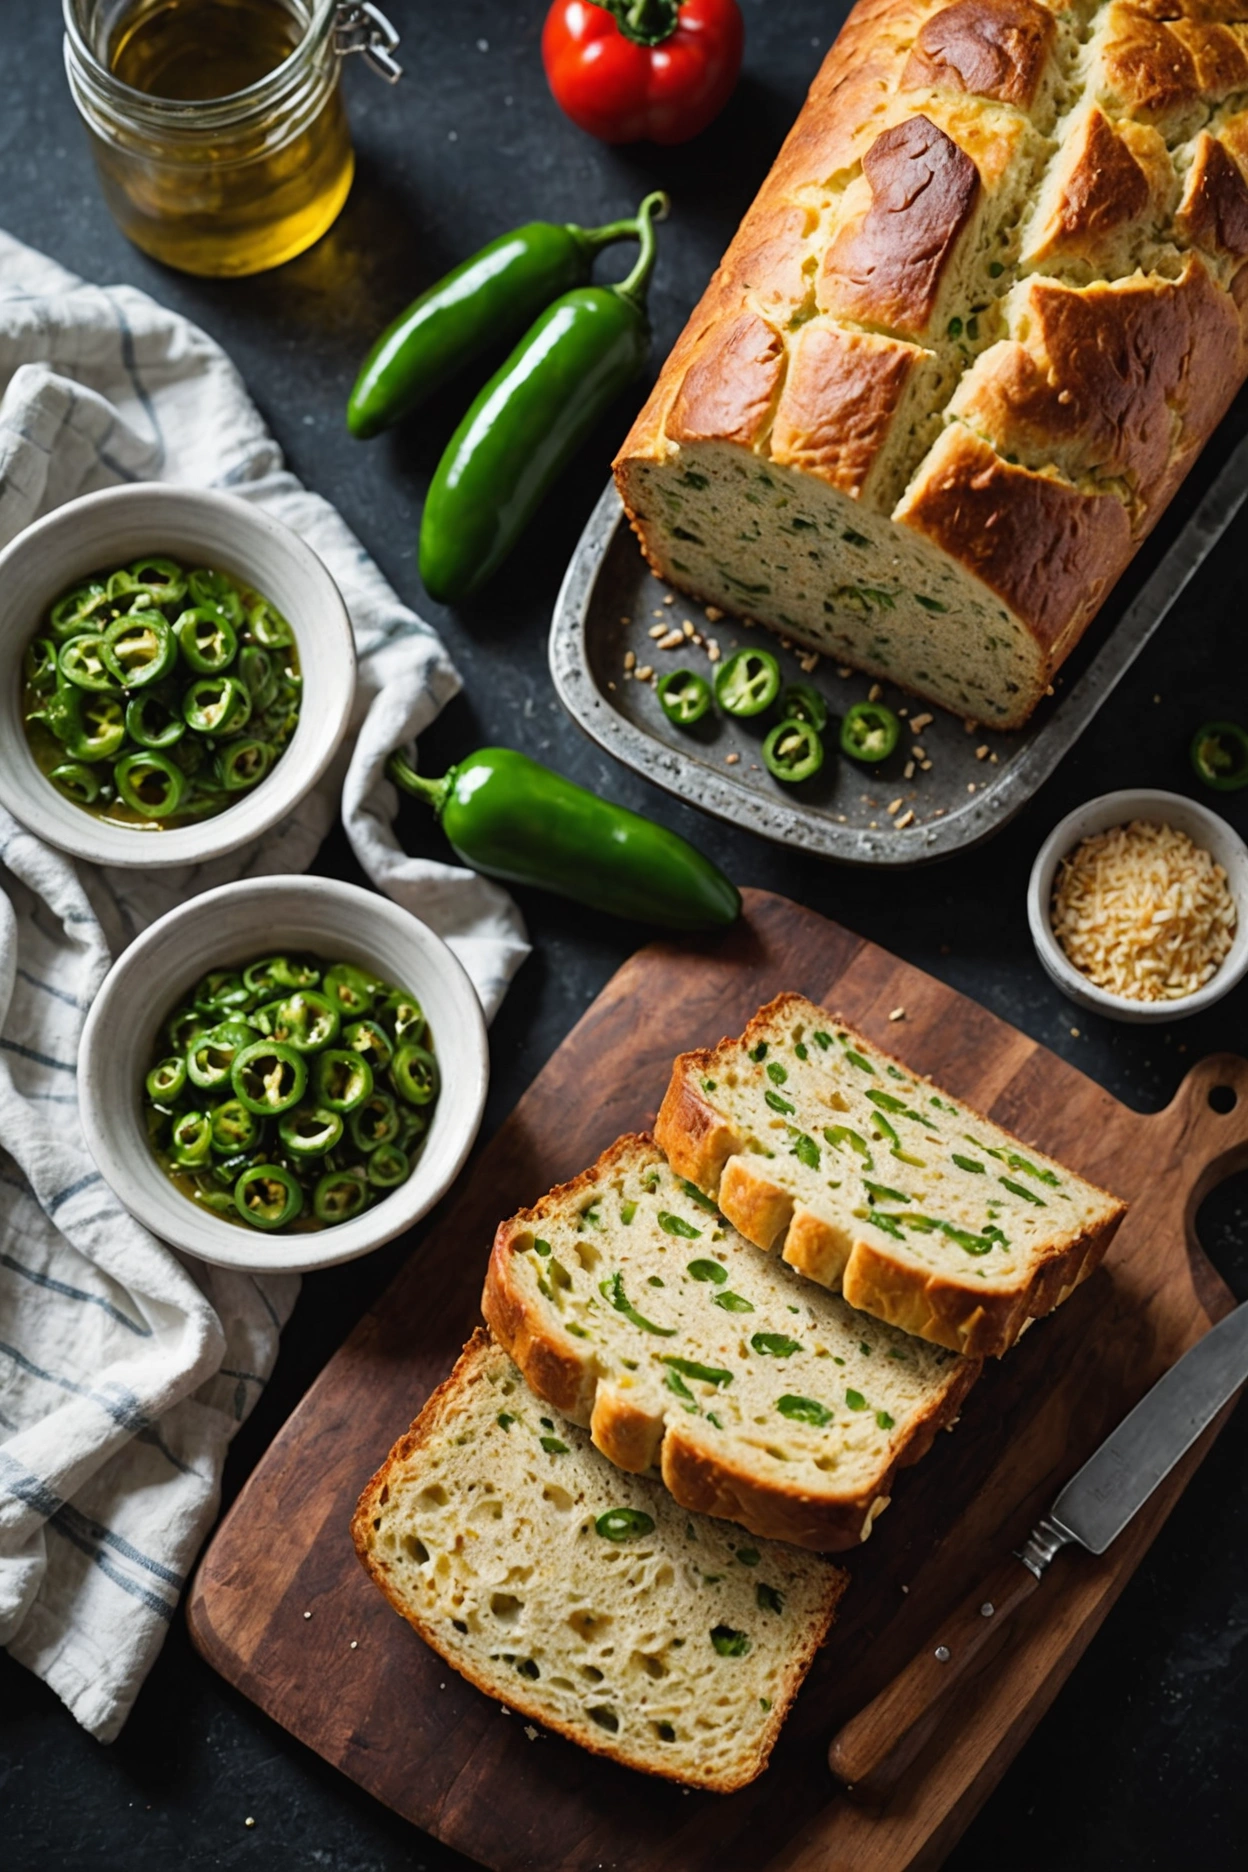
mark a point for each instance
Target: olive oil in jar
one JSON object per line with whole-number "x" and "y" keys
{"x": 217, "y": 126}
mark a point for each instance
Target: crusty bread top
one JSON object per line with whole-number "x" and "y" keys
{"x": 585, "y": 1598}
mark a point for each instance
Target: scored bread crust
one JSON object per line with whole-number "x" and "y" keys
{"x": 558, "y": 1367}
{"x": 469, "y": 1369}
{"x": 698, "y": 1143}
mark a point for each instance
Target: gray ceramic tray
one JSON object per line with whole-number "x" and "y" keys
{"x": 610, "y": 601}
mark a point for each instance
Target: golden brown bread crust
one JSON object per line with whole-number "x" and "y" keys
{"x": 1214, "y": 211}
{"x": 887, "y": 268}
{"x": 622, "y": 1430}
{"x": 994, "y": 48}
{"x": 961, "y": 1315}
{"x": 375, "y": 1494}
{"x": 1049, "y": 551}
{"x": 728, "y": 390}
{"x": 840, "y": 393}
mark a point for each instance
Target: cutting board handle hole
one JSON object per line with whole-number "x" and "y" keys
{"x": 1223, "y": 1098}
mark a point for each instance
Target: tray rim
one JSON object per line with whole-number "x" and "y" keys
{"x": 966, "y": 825}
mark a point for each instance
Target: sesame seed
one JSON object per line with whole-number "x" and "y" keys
{"x": 713, "y": 614}
{"x": 712, "y": 650}
{"x": 809, "y": 664}
{"x": 921, "y": 722}
{"x": 894, "y": 806}
{"x": 687, "y": 627}
{"x": 657, "y": 630}
{"x": 730, "y": 760}
{"x": 672, "y": 641}
{"x": 355, "y": 1644}
{"x": 898, "y": 1014}
{"x": 844, "y": 673}
{"x": 907, "y": 772}
{"x": 250, "y": 1821}
{"x": 981, "y": 752}
{"x": 970, "y": 724}
{"x": 970, "y": 786}
{"x": 907, "y": 818}
{"x": 1074, "y": 1033}
{"x": 918, "y": 751}
{"x": 668, "y": 599}
{"x": 626, "y": 620}
{"x": 925, "y": 766}
{"x": 643, "y": 672}
{"x": 307, "y": 1615}
{"x": 630, "y": 660}
{"x": 875, "y": 692}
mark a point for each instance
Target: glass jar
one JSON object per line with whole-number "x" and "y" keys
{"x": 230, "y": 184}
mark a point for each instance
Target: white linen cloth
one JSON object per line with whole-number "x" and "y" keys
{"x": 124, "y": 1369}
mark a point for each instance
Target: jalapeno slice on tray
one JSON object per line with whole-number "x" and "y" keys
{"x": 1219, "y": 755}
{"x": 869, "y": 732}
{"x": 748, "y": 683}
{"x": 802, "y": 702}
{"x": 793, "y": 752}
{"x": 261, "y": 1090}
{"x": 268, "y": 1196}
{"x": 684, "y": 696}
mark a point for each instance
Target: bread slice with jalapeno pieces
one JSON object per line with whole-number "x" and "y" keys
{"x": 871, "y": 1181}
{"x": 630, "y": 1304}
{"x": 584, "y": 1598}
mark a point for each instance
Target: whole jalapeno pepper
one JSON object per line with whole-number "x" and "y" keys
{"x": 684, "y": 697}
{"x": 869, "y": 732}
{"x": 510, "y": 817}
{"x": 529, "y": 421}
{"x": 487, "y": 300}
{"x": 748, "y": 682}
{"x": 793, "y": 752}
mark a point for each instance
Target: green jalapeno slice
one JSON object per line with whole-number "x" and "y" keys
{"x": 183, "y": 1028}
{"x": 77, "y": 781}
{"x": 415, "y": 1074}
{"x": 413, "y": 1123}
{"x": 242, "y": 764}
{"x": 306, "y": 1020}
{"x": 802, "y": 702}
{"x": 370, "y": 1040}
{"x": 206, "y": 639}
{"x": 191, "y": 1137}
{"x": 216, "y": 705}
{"x": 152, "y": 723}
{"x": 351, "y": 990}
{"x": 167, "y": 1080}
{"x": 223, "y": 990}
{"x": 162, "y": 579}
{"x": 281, "y": 972}
{"x": 338, "y": 1196}
{"x": 98, "y": 725}
{"x": 793, "y": 752}
{"x": 869, "y": 732}
{"x": 269, "y": 1077}
{"x": 268, "y": 627}
{"x": 255, "y": 666}
{"x": 212, "y": 1053}
{"x": 139, "y": 648}
{"x": 388, "y": 1167}
{"x": 748, "y": 682}
{"x": 234, "y": 1128}
{"x": 208, "y": 589}
{"x": 344, "y": 1079}
{"x": 684, "y": 696}
{"x": 403, "y": 1016}
{"x": 81, "y": 662}
{"x": 268, "y": 1196}
{"x": 309, "y": 1130}
{"x": 78, "y": 609}
{"x": 150, "y": 783}
{"x": 374, "y": 1122}
{"x": 1219, "y": 755}
{"x": 41, "y": 665}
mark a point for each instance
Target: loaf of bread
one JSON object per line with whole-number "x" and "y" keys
{"x": 982, "y": 316}
{"x": 874, "y": 1183}
{"x": 584, "y": 1598}
{"x": 630, "y": 1304}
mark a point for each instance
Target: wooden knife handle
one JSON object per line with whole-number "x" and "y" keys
{"x": 874, "y": 1749}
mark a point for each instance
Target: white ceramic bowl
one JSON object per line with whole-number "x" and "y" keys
{"x": 1204, "y": 828}
{"x": 219, "y": 530}
{"x": 236, "y": 924}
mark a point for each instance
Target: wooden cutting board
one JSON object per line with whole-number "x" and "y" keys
{"x": 356, "y": 1684}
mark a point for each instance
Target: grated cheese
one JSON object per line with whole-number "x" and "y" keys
{"x": 1143, "y": 912}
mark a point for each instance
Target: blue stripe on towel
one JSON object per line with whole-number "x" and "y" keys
{"x": 75, "y": 1293}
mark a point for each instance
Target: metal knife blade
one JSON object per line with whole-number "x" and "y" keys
{"x": 1097, "y": 1503}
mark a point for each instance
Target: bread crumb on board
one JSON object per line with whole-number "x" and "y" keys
{"x": 1143, "y": 912}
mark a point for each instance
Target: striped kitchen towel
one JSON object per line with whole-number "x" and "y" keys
{"x": 125, "y": 1369}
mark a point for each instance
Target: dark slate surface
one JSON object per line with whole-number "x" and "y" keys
{"x": 1140, "y": 1762}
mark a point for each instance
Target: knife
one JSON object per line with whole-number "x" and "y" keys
{"x": 871, "y": 1753}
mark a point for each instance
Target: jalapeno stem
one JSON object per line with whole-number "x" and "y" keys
{"x": 435, "y": 793}
{"x": 595, "y": 239}
{"x": 656, "y": 207}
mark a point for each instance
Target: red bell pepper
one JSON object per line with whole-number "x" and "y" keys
{"x": 628, "y": 70}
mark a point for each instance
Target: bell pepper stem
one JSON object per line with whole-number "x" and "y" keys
{"x": 434, "y": 792}
{"x": 645, "y": 22}
{"x": 656, "y": 207}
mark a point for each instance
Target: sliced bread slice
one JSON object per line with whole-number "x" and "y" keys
{"x": 584, "y": 1598}
{"x": 874, "y": 1183}
{"x": 629, "y": 1303}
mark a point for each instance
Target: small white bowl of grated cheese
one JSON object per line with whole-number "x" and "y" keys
{"x": 1138, "y": 906}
